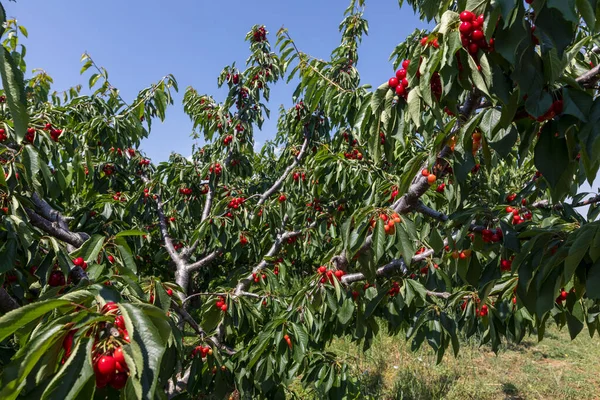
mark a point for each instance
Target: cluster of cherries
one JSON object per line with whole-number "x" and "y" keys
{"x": 144, "y": 162}
{"x": 315, "y": 204}
{"x": 394, "y": 290}
{"x": 427, "y": 41}
{"x": 54, "y": 133}
{"x": 297, "y": 175}
{"x": 328, "y": 274}
{"x": 516, "y": 211}
{"x": 57, "y": 278}
{"x": 221, "y": 304}
{"x": 227, "y": 140}
{"x": 260, "y": 35}
{"x": 108, "y": 169}
{"x": 389, "y": 221}
{"x": 399, "y": 83}
{"x": 431, "y": 178}
{"x": 236, "y": 202}
{"x": 203, "y": 351}
{"x": 118, "y": 196}
{"x": 216, "y": 168}
{"x": 80, "y": 262}
{"x": 471, "y": 33}
{"x": 109, "y": 362}
{"x": 3, "y": 135}
{"x": 353, "y": 155}
{"x": 30, "y": 136}
{"x": 256, "y": 277}
{"x": 243, "y": 239}
{"x": 185, "y": 191}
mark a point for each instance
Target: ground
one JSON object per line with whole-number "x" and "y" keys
{"x": 553, "y": 368}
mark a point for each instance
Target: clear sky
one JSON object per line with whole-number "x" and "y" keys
{"x": 138, "y": 42}
{"x": 141, "y": 41}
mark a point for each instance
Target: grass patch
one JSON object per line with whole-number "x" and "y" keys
{"x": 556, "y": 366}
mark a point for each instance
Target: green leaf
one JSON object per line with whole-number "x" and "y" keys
{"x": 13, "y": 320}
{"x": 378, "y": 239}
{"x": 74, "y": 374}
{"x": 345, "y": 313}
{"x": 90, "y": 249}
{"x": 587, "y": 12}
{"x": 14, "y": 375}
{"x": 131, "y": 232}
{"x": 551, "y": 156}
{"x": 592, "y": 285}
{"x": 148, "y": 347}
{"x": 14, "y": 89}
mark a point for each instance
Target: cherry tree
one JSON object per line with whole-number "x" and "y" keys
{"x": 446, "y": 200}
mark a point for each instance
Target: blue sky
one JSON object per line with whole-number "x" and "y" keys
{"x": 138, "y": 42}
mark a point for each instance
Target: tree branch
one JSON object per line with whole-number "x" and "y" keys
{"x": 590, "y": 78}
{"x": 73, "y": 239}
{"x": 204, "y": 261}
{"x": 7, "y": 303}
{"x": 430, "y": 212}
{"x": 209, "y": 200}
{"x": 288, "y": 170}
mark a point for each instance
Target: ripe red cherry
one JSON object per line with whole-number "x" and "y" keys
{"x": 393, "y": 82}
{"x": 110, "y": 306}
{"x": 118, "y": 356}
{"x": 282, "y": 198}
{"x": 467, "y": 16}
{"x": 477, "y": 35}
{"x": 473, "y": 48}
{"x": 57, "y": 278}
{"x": 79, "y": 261}
{"x": 401, "y": 73}
{"x": 224, "y": 308}
{"x": 119, "y": 380}
{"x": 120, "y": 322}
{"x": 465, "y": 27}
{"x": 106, "y": 365}
{"x": 170, "y": 292}
{"x": 405, "y": 64}
{"x": 400, "y": 90}
{"x": 405, "y": 82}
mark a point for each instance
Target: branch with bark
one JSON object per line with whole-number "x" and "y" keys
{"x": 269, "y": 192}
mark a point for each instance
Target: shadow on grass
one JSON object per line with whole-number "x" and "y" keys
{"x": 410, "y": 386}
{"x": 511, "y": 391}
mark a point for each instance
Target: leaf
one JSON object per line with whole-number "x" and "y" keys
{"x": 345, "y": 313}
{"x": 378, "y": 239}
{"x": 74, "y": 374}
{"x": 587, "y": 12}
{"x": 131, "y": 232}
{"x": 14, "y": 89}
{"x": 592, "y": 285}
{"x": 90, "y": 249}
{"x": 13, "y": 320}
{"x": 14, "y": 375}
{"x": 551, "y": 156}
{"x": 147, "y": 345}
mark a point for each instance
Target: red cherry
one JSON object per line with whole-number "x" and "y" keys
{"x": 106, "y": 365}
{"x": 120, "y": 322}
{"x": 405, "y": 82}
{"x": 79, "y": 261}
{"x": 393, "y": 82}
{"x": 477, "y": 35}
{"x": 170, "y": 292}
{"x": 473, "y": 48}
{"x": 465, "y": 27}
{"x": 401, "y": 73}
{"x": 118, "y": 356}
{"x": 119, "y": 381}
{"x": 405, "y": 64}
{"x": 400, "y": 90}
{"x": 224, "y": 308}
{"x": 467, "y": 16}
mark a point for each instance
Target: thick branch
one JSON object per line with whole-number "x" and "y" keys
{"x": 590, "y": 78}
{"x": 430, "y": 212}
{"x": 71, "y": 238}
{"x": 7, "y": 303}
{"x": 288, "y": 170}
{"x": 204, "y": 261}
{"x": 209, "y": 199}
{"x": 162, "y": 223}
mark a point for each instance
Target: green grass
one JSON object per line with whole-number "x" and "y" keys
{"x": 553, "y": 368}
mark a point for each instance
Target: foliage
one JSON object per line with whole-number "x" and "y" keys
{"x": 444, "y": 201}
